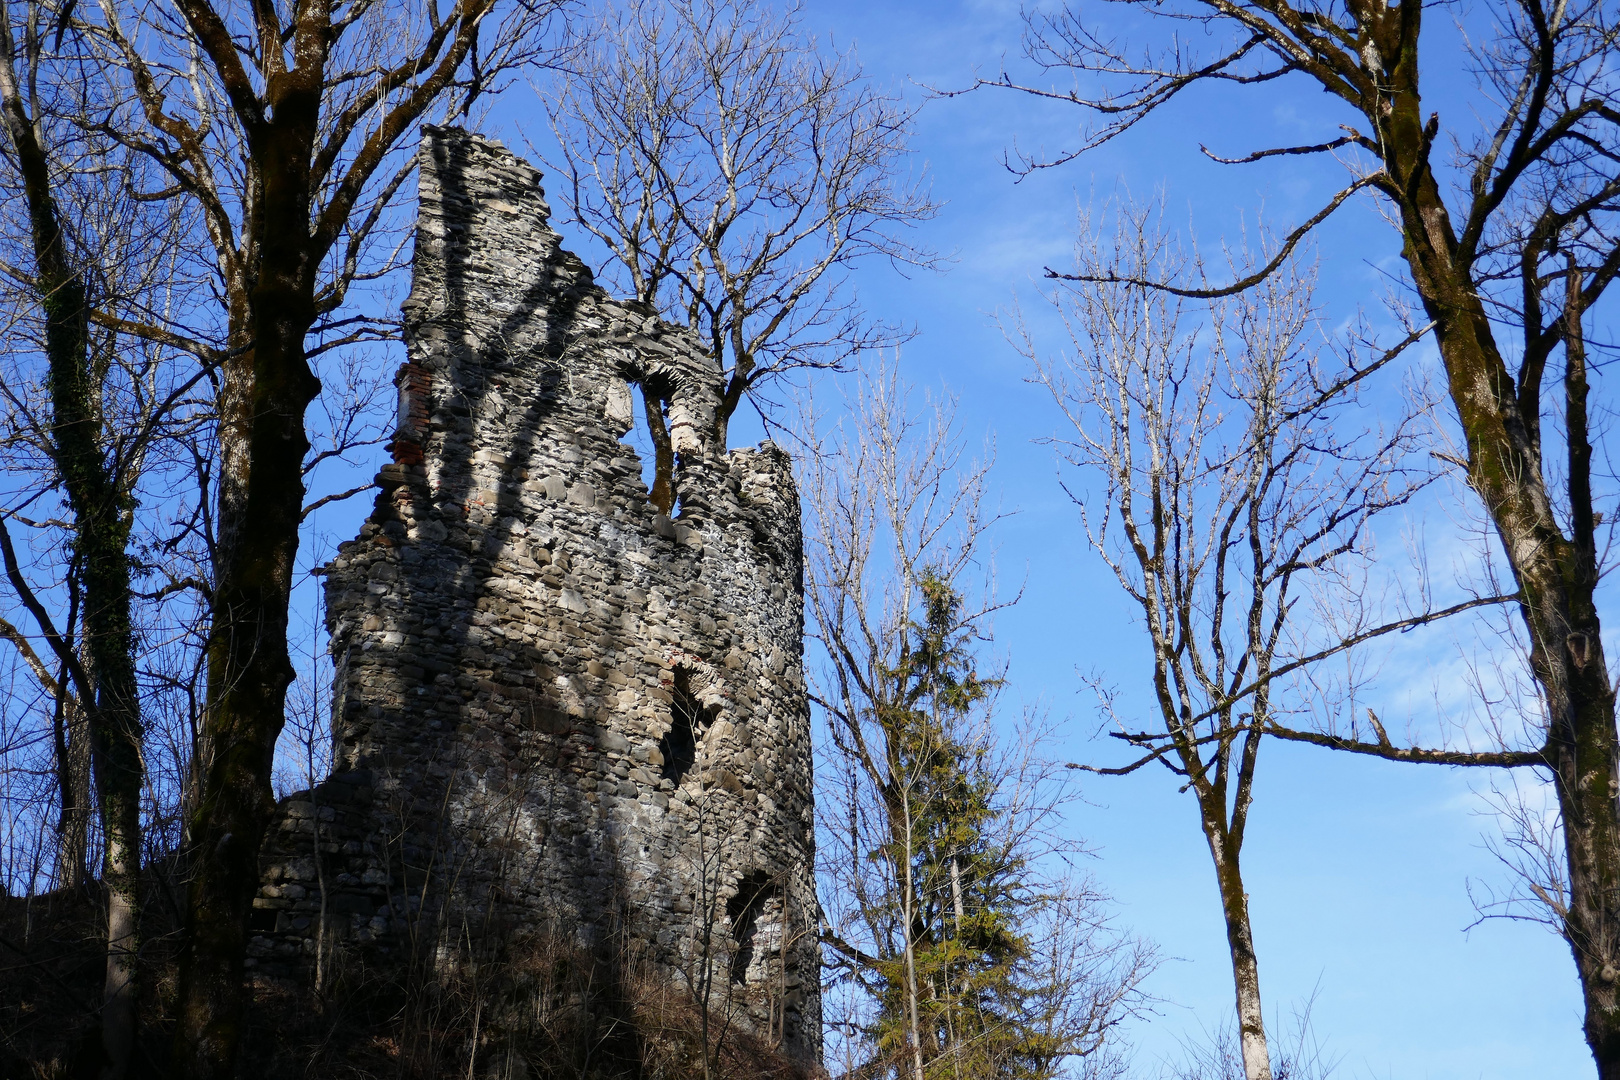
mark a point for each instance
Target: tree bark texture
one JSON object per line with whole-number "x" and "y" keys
{"x": 73, "y": 786}
{"x": 662, "y": 492}
{"x": 1240, "y": 944}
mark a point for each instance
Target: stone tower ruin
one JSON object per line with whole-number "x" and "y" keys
{"x": 557, "y": 709}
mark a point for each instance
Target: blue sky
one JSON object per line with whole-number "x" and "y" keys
{"x": 1358, "y": 870}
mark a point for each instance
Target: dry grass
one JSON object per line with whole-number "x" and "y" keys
{"x": 533, "y": 1007}
{"x": 542, "y": 1008}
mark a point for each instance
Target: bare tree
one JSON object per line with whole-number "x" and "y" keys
{"x": 282, "y": 126}
{"x": 962, "y": 940}
{"x": 1510, "y": 247}
{"x": 91, "y": 418}
{"x": 735, "y": 172}
{"x": 106, "y": 685}
{"x": 1225, "y": 480}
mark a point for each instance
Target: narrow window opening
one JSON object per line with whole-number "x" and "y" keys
{"x": 755, "y": 914}
{"x": 639, "y": 436}
{"x": 686, "y": 722}
{"x": 654, "y": 413}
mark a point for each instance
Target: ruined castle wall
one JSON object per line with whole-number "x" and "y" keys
{"x": 554, "y": 705}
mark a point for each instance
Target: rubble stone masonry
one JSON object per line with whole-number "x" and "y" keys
{"x": 556, "y": 707}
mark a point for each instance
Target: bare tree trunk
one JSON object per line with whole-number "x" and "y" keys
{"x": 1557, "y": 576}
{"x": 1245, "y": 964}
{"x": 101, "y": 534}
{"x": 73, "y": 786}
{"x": 1585, "y": 743}
{"x": 262, "y": 444}
{"x": 1216, "y": 555}
{"x": 102, "y": 527}
{"x": 313, "y": 120}
{"x": 907, "y": 910}
{"x": 662, "y": 492}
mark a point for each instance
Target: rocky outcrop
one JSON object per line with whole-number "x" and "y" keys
{"x": 556, "y": 707}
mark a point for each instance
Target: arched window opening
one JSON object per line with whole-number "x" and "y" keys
{"x": 756, "y": 924}
{"x": 687, "y": 719}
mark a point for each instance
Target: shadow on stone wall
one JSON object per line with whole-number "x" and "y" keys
{"x": 500, "y": 844}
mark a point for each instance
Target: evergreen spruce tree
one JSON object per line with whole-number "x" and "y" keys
{"x": 960, "y": 943}
{"x": 962, "y": 884}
